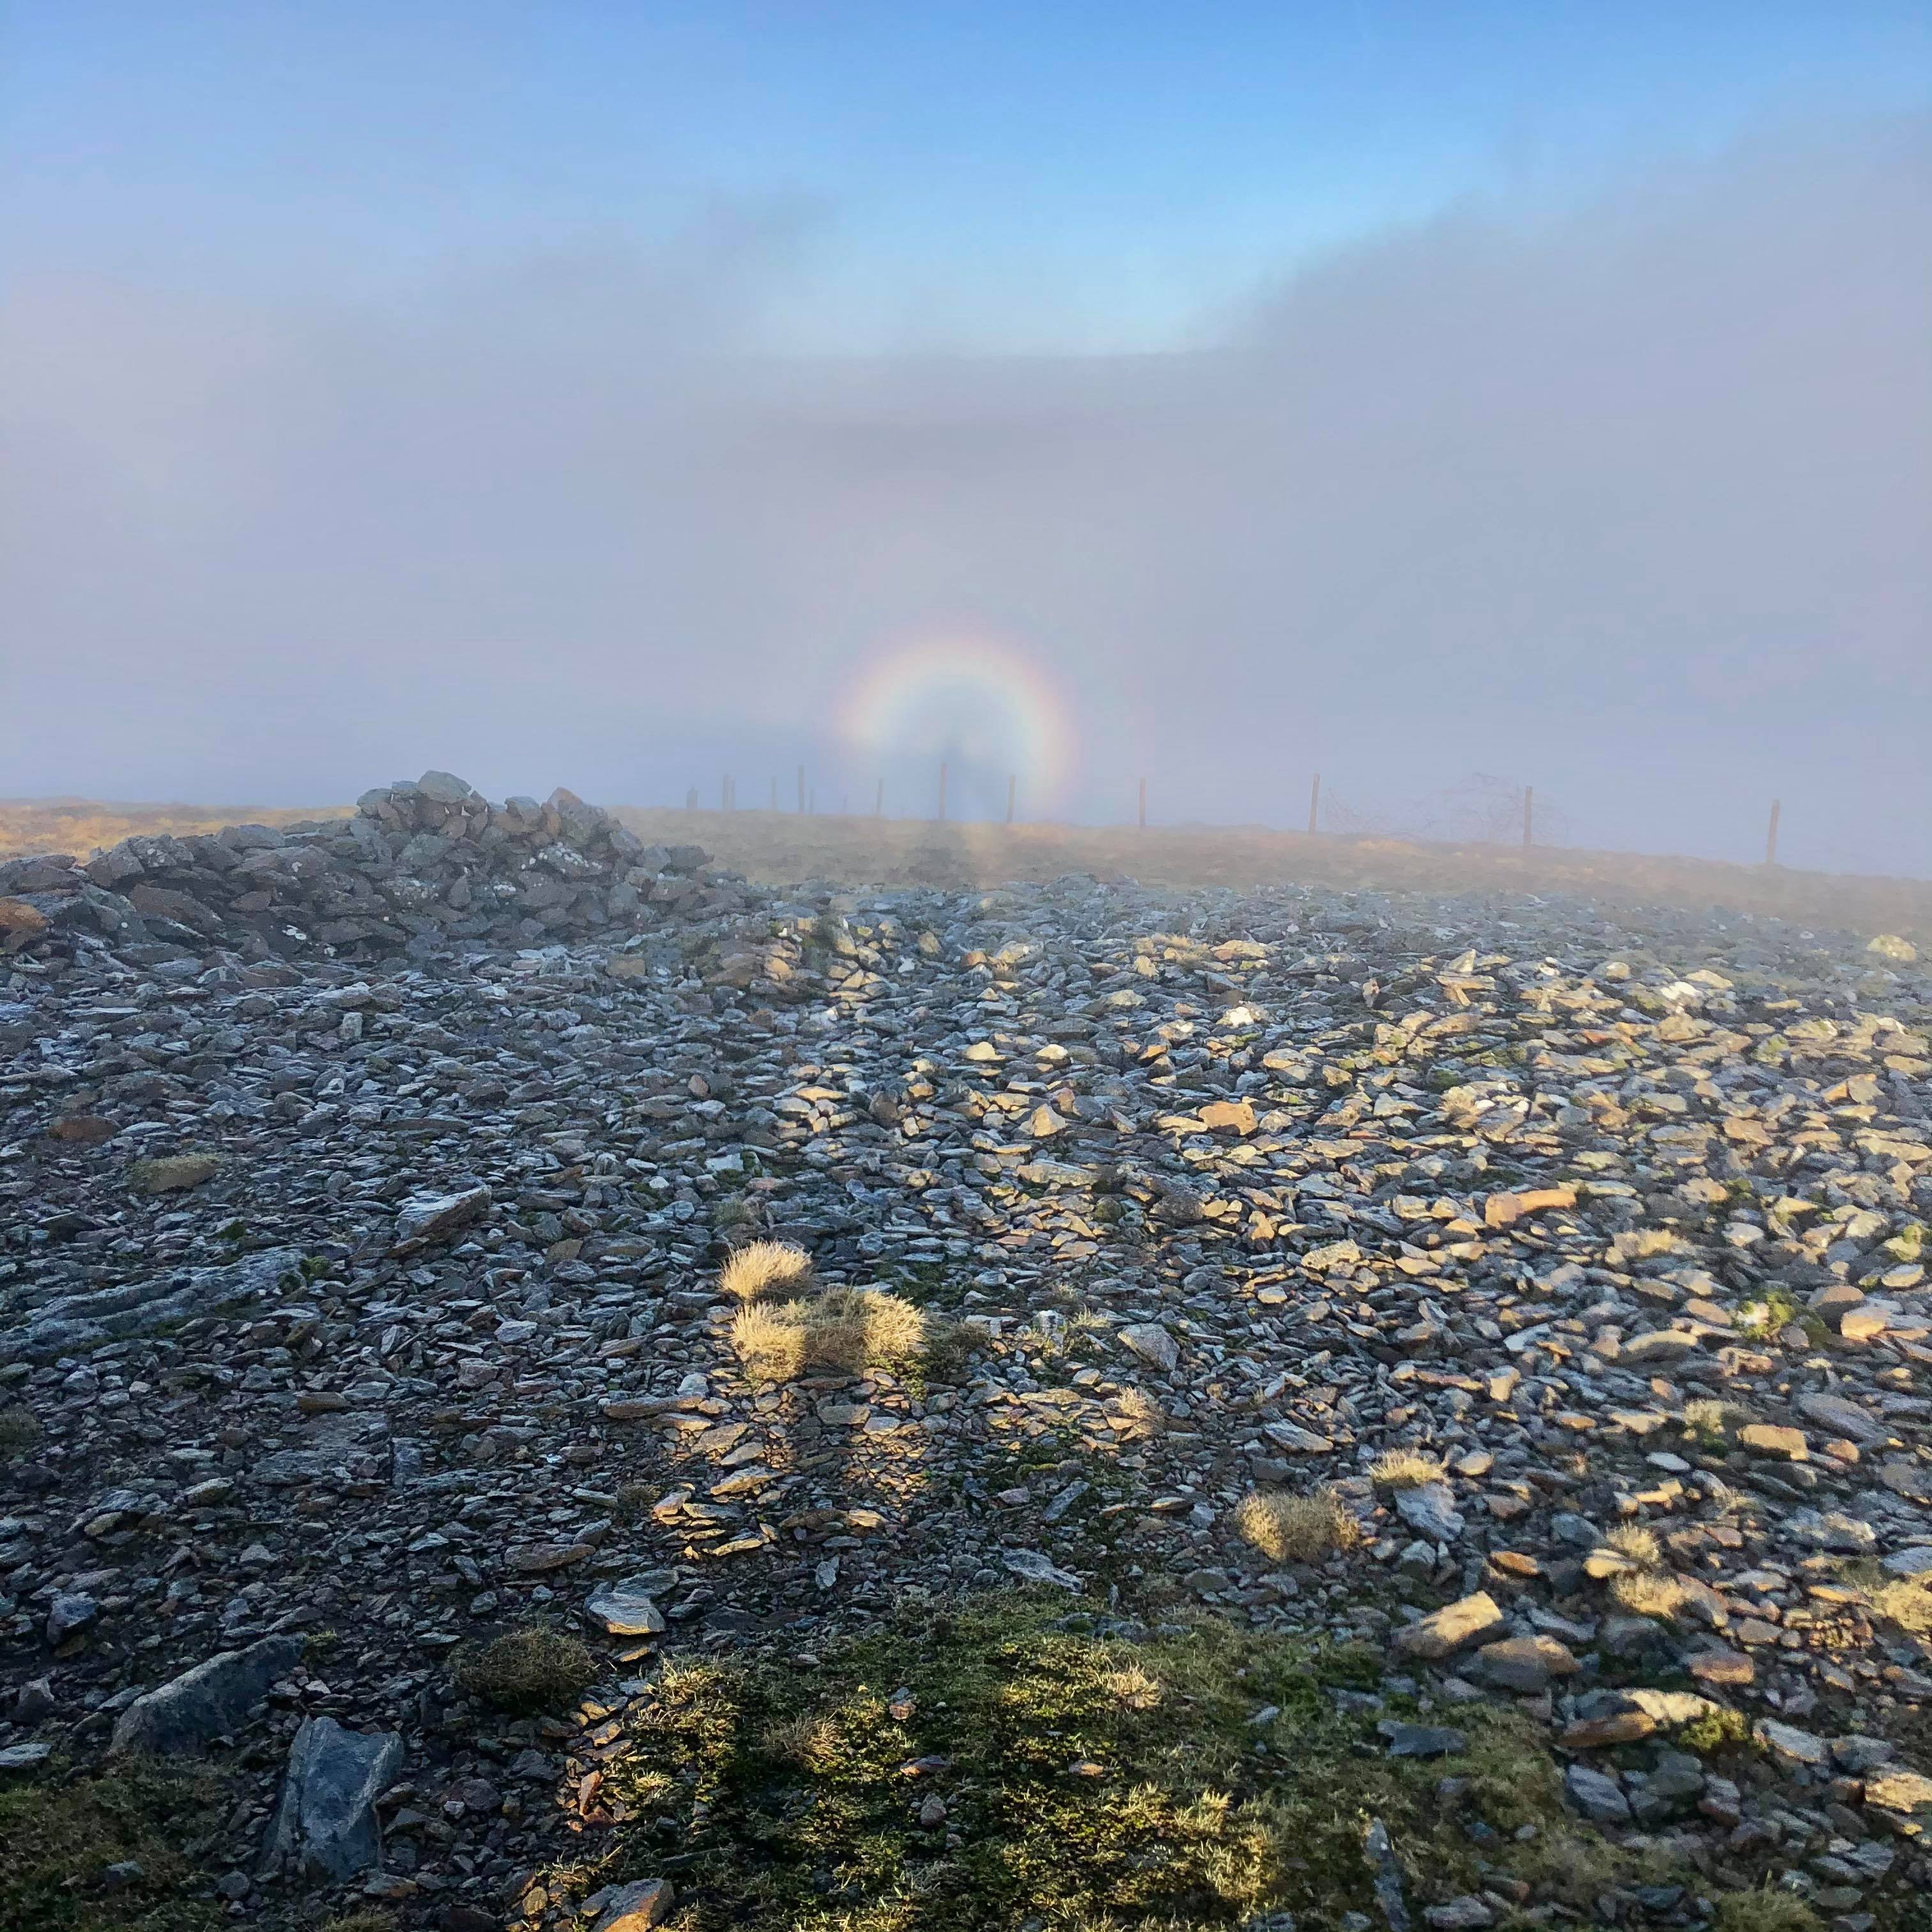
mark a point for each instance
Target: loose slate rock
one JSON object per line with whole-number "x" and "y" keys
{"x": 624, "y": 1609}
{"x": 325, "y": 1825}
{"x": 637, "y": 1907}
{"x": 1454, "y": 1627}
{"x": 212, "y": 1700}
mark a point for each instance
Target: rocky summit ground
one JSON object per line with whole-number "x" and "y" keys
{"x": 1294, "y": 1408}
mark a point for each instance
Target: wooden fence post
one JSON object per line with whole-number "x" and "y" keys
{"x": 1142, "y": 818}
{"x": 1315, "y": 803}
{"x": 1529, "y": 816}
{"x": 1771, "y": 837}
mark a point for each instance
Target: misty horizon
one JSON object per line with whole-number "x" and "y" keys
{"x": 1616, "y": 488}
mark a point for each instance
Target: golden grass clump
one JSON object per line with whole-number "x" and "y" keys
{"x": 1135, "y": 1687}
{"x": 19, "y": 1430}
{"x": 845, "y": 1329}
{"x": 1134, "y": 1413}
{"x": 1648, "y": 1593}
{"x": 766, "y": 1271}
{"x": 1637, "y": 1541}
{"x": 770, "y": 1342}
{"x": 1296, "y": 1529}
{"x": 1650, "y": 1589}
{"x": 1404, "y": 1469}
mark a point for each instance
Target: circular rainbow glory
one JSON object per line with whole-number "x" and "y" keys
{"x": 976, "y": 700}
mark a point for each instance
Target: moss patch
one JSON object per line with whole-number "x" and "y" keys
{"x": 107, "y": 1853}
{"x": 1005, "y": 1763}
{"x": 19, "y": 1430}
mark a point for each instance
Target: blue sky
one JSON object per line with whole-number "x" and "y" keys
{"x": 1062, "y": 175}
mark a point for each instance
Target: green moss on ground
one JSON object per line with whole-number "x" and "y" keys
{"x": 71, "y": 1841}
{"x": 1087, "y": 1782}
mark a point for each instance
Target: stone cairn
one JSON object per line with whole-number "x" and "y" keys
{"x": 433, "y": 861}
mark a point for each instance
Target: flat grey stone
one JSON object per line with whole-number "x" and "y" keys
{"x": 1599, "y": 1798}
{"x": 624, "y": 1608}
{"x": 210, "y": 1701}
{"x": 1152, "y": 1343}
{"x": 1430, "y": 1509}
{"x": 1036, "y": 1568}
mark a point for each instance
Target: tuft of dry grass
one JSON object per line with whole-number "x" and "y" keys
{"x": 1638, "y": 1542}
{"x": 1709, "y": 1421}
{"x": 770, "y": 1342}
{"x": 810, "y": 1741}
{"x": 855, "y": 1328}
{"x": 844, "y": 1329}
{"x": 1404, "y": 1469}
{"x": 1648, "y": 1593}
{"x": 1136, "y": 1687}
{"x": 1296, "y": 1529}
{"x": 766, "y": 1271}
{"x": 529, "y": 1670}
{"x": 168, "y": 1173}
{"x": 1134, "y": 1414}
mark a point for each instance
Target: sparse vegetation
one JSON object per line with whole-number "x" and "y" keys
{"x": 1764, "y": 1910}
{"x": 845, "y": 1329}
{"x": 1648, "y": 1593}
{"x": 19, "y": 1430}
{"x": 1706, "y": 1421}
{"x": 766, "y": 1271}
{"x": 533, "y": 1669}
{"x": 1296, "y": 1529}
{"x": 1088, "y": 1781}
{"x": 1638, "y": 1542}
{"x": 1719, "y": 1728}
{"x": 1134, "y": 1413}
{"x": 1404, "y": 1469}
{"x": 1650, "y": 1589}
{"x": 1766, "y": 1315}
{"x": 104, "y": 1853}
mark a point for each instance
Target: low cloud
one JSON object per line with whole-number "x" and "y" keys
{"x": 1629, "y": 502}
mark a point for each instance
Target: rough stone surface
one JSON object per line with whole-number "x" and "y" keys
{"x": 326, "y": 1826}
{"x": 212, "y": 1700}
{"x": 1606, "y": 1211}
{"x": 637, "y": 1907}
{"x": 1454, "y": 1627}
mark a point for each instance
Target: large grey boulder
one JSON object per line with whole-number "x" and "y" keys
{"x": 210, "y": 1701}
{"x": 326, "y": 1826}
